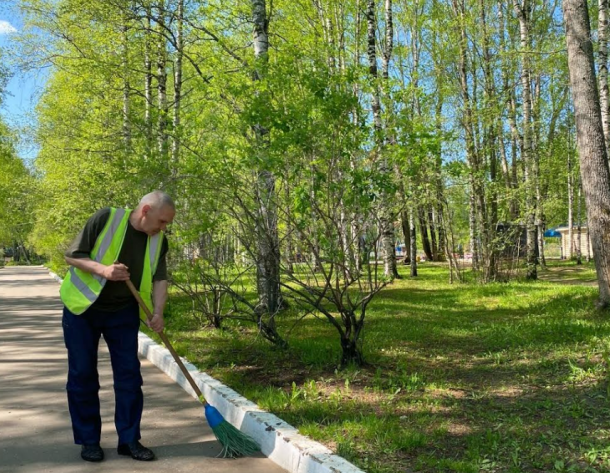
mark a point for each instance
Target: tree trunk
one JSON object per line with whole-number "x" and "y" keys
{"x": 539, "y": 217}
{"x": 351, "y": 354}
{"x": 522, "y": 9}
{"x": 449, "y": 243}
{"x": 476, "y": 193}
{"x": 441, "y": 222}
{"x": 423, "y": 231}
{"x": 355, "y": 231}
{"x": 413, "y": 238}
{"x": 510, "y": 180}
{"x": 434, "y": 247}
{"x": 148, "y": 100}
{"x": 268, "y": 258}
{"x": 570, "y": 244}
{"x": 594, "y": 170}
{"x": 406, "y": 233}
{"x": 602, "y": 62}
{"x": 579, "y": 225}
{"x": 515, "y": 144}
{"x": 126, "y": 87}
{"x": 472, "y": 226}
{"x": 490, "y": 218}
{"x": 162, "y": 147}
{"x": 177, "y": 88}
{"x": 388, "y": 240}
{"x": 290, "y": 253}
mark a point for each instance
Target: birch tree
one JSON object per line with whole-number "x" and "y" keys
{"x": 602, "y": 65}
{"x": 386, "y": 219}
{"x": 523, "y": 12}
{"x": 268, "y": 258}
{"x": 177, "y": 87}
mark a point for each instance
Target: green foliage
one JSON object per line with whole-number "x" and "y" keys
{"x": 312, "y": 98}
{"x": 17, "y": 193}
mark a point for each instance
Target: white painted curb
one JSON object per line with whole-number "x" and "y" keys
{"x": 54, "y": 276}
{"x": 279, "y": 441}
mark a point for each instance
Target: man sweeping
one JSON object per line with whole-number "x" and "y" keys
{"x": 115, "y": 245}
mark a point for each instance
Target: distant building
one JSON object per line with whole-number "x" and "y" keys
{"x": 586, "y": 249}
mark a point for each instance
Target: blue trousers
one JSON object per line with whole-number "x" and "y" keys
{"x": 82, "y": 335}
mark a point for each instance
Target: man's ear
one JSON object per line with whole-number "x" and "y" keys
{"x": 145, "y": 209}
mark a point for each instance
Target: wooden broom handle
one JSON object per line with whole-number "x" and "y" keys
{"x": 169, "y": 346}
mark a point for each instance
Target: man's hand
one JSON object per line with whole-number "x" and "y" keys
{"x": 116, "y": 272}
{"x": 156, "y": 323}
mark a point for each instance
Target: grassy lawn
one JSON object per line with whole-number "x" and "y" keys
{"x": 505, "y": 377}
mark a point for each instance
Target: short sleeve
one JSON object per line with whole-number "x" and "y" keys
{"x": 84, "y": 242}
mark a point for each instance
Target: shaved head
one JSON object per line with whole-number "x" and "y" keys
{"x": 154, "y": 212}
{"x": 157, "y": 199}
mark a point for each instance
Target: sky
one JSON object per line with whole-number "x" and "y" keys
{"x": 23, "y": 88}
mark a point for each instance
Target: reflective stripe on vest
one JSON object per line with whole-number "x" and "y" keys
{"x": 151, "y": 261}
{"x": 80, "y": 289}
{"x": 81, "y": 285}
{"x": 101, "y": 250}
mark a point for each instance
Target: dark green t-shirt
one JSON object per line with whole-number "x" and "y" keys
{"x": 115, "y": 295}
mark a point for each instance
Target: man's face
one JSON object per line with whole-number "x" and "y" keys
{"x": 155, "y": 220}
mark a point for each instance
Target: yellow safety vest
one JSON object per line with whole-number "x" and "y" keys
{"x": 80, "y": 289}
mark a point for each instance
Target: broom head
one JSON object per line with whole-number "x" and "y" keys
{"x": 234, "y": 443}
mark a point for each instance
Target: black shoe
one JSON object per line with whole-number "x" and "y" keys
{"x": 92, "y": 453}
{"x": 137, "y": 451}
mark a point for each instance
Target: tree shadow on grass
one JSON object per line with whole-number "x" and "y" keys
{"x": 520, "y": 431}
{"x": 461, "y": 376}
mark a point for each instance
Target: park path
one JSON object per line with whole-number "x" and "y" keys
{"x": 571, "y": 275}
{"x": 35, "y": 432}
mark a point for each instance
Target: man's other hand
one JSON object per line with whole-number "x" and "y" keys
{"x": 156, "y": 323}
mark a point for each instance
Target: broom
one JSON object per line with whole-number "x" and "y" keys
{"x": 234, "y": 443}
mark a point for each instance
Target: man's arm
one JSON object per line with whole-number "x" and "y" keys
{"x": 79, "y": 251}
{"x": 114, "y": 272}
{"x": 159, "y": 300}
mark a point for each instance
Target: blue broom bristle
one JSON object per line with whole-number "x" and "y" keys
{"x": 234, "y": 443}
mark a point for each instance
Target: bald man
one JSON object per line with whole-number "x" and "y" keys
{"x": 115, "y": 245}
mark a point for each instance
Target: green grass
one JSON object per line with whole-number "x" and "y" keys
{"x": 506, "y": 377}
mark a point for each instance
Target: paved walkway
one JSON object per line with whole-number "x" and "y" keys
{"x": 35, "y": 432}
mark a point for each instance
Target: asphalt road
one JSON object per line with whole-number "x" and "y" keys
{"x": 35, "y": 431}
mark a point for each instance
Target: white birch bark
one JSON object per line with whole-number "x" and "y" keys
{"x": 148, "y": 88}
{"x": 522, "y": 9}
{"x": 579, "y": 225}
{"x": 162, "y": 142}
{"x": 268, "y": 258}
{"x": 467, "y": 123}
{"x": 126, "y": 86}
{"x": 177, "y": 87}
{"x": 386, "y": 221}
{"x": 602, "y": 65}
{"x": 570, "y": 245}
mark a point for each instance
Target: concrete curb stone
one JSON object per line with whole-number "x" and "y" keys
{"x": 279, "y": 441}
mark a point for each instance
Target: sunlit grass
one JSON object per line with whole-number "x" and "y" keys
{"x": 465, "y": 377}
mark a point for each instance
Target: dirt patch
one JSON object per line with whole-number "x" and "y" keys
{"x": 571, "y": 276}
